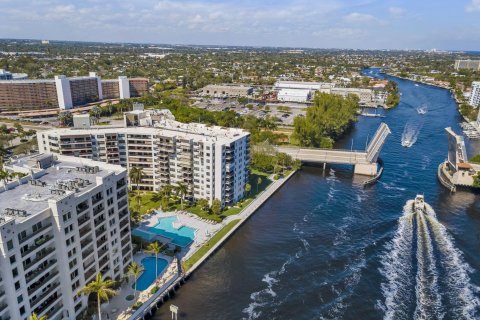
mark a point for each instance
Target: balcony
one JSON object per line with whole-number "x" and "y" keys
{"x": 3, "y": 307}
{"x": 39, "y": 242}
{"x": 29, "y": 237}
{"x": 47, "y": 305}
{"x": 123, "y": 223}
{"x": 121, "y": 193}
{"x": 82, "y": 207}
{"x": 40, "y": 270}
{"x": 86, "y": 242}
{"x": 99, "y": 220}
{"x": 87, "y": 253}
{"x": 99, "y": 232}
{"x": 89, "y": 274}
{"x": 40, "y": 257}
{"x": 41, "y": 282}
{"x": 122, "y": 203}
{"x": 96, "y": 200}
{"x": 51, "y": 314}
{"x": 85, "y": 230}
{"x": 45, "y": 294}
{"x": 83, "y": 219}
{"x": 98, "y": 209}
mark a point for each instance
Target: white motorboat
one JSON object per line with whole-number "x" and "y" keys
{"x": 422, "y": 110}
{"x": 419, "y": 204}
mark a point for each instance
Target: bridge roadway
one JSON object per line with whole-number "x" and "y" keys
{"x": 365, "y": 162}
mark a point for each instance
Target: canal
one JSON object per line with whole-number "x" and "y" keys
{"x": 324, "y": 247}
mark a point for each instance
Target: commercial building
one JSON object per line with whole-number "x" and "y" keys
{"x": 5, "y": 75}
{"x": 60, "y": 225}
{"x": 303, "y": 85}
{"x": 467, "y": 64}
{"x": 366, "y": 96}
{"x": 294, "y": 95}
{"x": 211, "y": 161}
{"x": 474, "y": 100}
{"x": 227, "y": 90}
{"x": 67, "y": 92}
{"x": 298, "y": 91}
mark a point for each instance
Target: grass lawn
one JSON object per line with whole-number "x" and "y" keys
{"x": 207, "y": 246}
{"x": 148, "y": 201}
{"x": 202, "y": 214}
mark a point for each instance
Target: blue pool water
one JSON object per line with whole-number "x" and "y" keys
{"x": 182, "y": 236}
{"x": 148, "y": 275}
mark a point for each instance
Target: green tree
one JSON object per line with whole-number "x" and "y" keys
{"x": 154, "y": 248}
{"x": 216, "y": 207}
{"x": 103, "y": 290}
{"x": 181, "y": 191}
{"x": 164, "y": 203}
{"x": 136, "y": 175}
{"x": 327, "y": 120}
{"x": 259, "y": 182}
{"x": 34, "y": 316}
{"x": 203, "y": 204}
{"x": 248, "y": 188}
{"x": 134, "y": 269}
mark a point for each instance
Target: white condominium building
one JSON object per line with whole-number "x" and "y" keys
{"x": 60, "y": 225}
{"x": 475, "y": 95}
{"x": 211, "y": 161}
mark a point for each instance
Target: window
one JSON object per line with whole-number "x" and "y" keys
{"x": 22, "y": 310}
{"x": 13, "y": 259}
{"x": 67, "y": 216}
{"x": 19, "y": 298}
{"x": 9, "y": 245}
{"x": 17, "y": 285}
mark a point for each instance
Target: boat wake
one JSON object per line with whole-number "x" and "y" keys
{"x": 422, "y": 256}
{"x": 410, "y": 134}
{"x": 423, "y": 109}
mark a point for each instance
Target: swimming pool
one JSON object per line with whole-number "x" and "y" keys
{"x": 182, "y": 236}
{"x": 148, "y": 275}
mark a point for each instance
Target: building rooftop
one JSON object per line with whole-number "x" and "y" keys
{"x": 165, "y": 128}
{"x": 66, "y": 175}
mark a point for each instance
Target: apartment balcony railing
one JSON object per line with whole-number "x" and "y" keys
{"x": 45, "y": 294}
{"x": 39, "y": 243}
{"x": 83, "y": 219}
{"x": 40, "y": 270}
{"x": 85, "y": 230}
{"x": 40, "y": 257}
{"x": 39, "y": 284}
{"x": 29, "y": 237}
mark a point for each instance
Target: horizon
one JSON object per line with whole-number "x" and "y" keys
{"x": 326, "y": 24}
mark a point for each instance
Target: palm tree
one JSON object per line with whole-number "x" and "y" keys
{"x": 155, "y": 248}
{"x": 103, "y": 289}
{"x": 203, "y": 204}
{"x": 4, "y": 175}
{"x": 259, "y": 182}
{"x": 181, "y": 191}
{"x": 35, "y": 317}
{"x": 136, "y": 175}
{"x": 3, "y": 153}
{"x": 167, "y": 190}
{"x": 135, "y": 270}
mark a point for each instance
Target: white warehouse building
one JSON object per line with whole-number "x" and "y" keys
{"x": 294, "y": 95}
{"x": 60, "y": 225}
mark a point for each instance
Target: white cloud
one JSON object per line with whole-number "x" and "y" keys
{"x": 474, "y": 6}
{"x": 356, "y": 17}
{"x": 397, "y": 12}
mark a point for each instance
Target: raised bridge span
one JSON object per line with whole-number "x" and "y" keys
{"x": 365, "y": 162}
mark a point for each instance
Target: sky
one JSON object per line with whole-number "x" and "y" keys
{"x": 355, "y": 24}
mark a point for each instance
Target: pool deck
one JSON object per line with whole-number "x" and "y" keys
{"x": 204, "y": 230}
{"x": 119, "y": 303}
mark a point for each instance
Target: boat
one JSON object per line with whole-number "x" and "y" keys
{"x": 406, "y": 143}
{"x": 422, "y": 110}
{"x": 419, "y": 204}
{"x": 417, "y": 85}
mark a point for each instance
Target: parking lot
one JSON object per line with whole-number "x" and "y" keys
{"x": 285, "y": 112}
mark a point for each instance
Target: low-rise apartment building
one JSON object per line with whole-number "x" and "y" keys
{"x": 211, "y": 161}
{"x": 60, "y": 225}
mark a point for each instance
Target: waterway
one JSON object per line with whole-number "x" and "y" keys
{"x": 323, "y": 247}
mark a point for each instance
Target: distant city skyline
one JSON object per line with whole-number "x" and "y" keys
{"x": 356, "y": 24}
